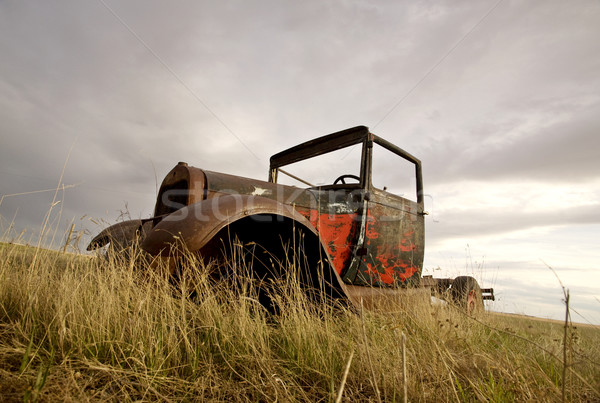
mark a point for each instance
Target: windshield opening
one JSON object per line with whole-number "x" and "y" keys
{"x": 339, "y": 167}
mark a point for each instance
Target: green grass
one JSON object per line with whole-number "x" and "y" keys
{"x": 75, "y": 328}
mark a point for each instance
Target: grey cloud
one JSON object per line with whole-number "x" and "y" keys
{"x": 565, "y": 152}
{"x": 77, "y": 75}
{"x": 471, "y": 223}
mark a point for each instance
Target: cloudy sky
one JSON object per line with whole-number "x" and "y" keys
{"x": 499, "y": 99}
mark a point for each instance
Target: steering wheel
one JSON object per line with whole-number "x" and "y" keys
{"x": 342, "y": 178}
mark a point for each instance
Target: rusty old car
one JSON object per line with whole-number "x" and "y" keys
{"x": 352, "y": 202}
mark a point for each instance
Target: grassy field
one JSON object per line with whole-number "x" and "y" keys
{"x": 75, "y": 328}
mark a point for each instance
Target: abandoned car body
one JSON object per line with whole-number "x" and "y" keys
{"x": 359, "y": 240}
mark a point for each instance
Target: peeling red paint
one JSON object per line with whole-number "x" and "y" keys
{"x": 371, "y": 227}
{"x": 391, "y": 240}
{"x": 386, "y": 277}
{"x": 338, "y": 233}
{"x": 406, "y": 245}
{"x": 394, "y": 269}
{"x": 390, "y": 244}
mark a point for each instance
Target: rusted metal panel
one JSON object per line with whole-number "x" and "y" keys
{"x": 338, "y": 233}
{"x": 219, "y": 183}
{"x": 183, "y": 185}
{"x": 394, "y": 241}
{"x": 333, "y": 213}
{"x": 195, "y": 225}
{"x": 120, "y": 235}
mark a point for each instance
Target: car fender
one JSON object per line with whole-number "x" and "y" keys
{"x": 121, "y": 234}
{"x": 196, "y": 224}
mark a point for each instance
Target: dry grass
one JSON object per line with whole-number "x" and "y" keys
{"x": 74, "y": 328}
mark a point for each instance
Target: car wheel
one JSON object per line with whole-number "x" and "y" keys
{"x": 466, "y": 294}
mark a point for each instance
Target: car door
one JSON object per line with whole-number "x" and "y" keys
{"x": 392, "y": 249}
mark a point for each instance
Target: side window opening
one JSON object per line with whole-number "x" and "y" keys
{"x": 393, "y": 174}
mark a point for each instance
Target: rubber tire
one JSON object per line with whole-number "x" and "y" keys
{"x": 466, "y": 294}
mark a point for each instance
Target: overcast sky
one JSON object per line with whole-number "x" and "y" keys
{"x": 499, "y": 99}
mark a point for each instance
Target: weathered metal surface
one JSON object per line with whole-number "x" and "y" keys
{"x": 338, "y": 233}
{"x": 183, "y": 186}
{"x": 195, "y": 225}
{"x": 394, "y": 242}
{"x": 121, "y": 235}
